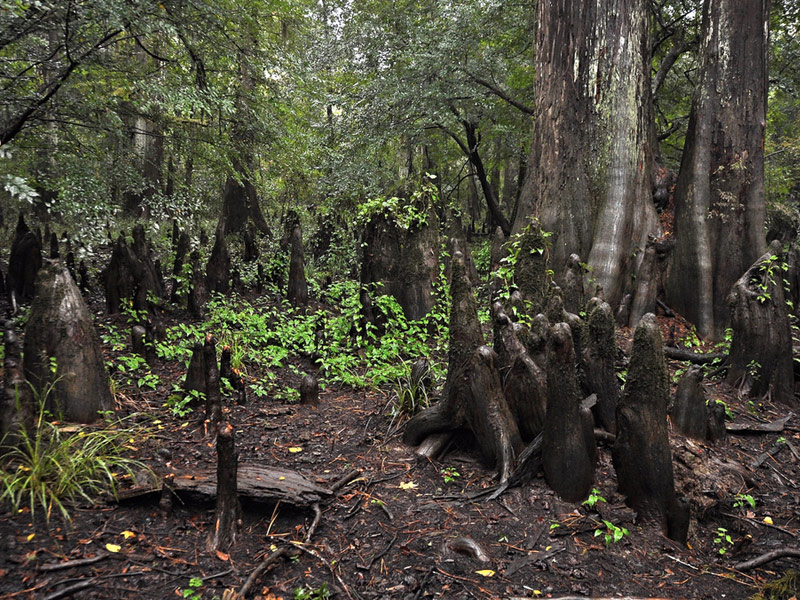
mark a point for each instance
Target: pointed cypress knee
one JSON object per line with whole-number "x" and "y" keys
{"x": 569, "y": 447}
{"x": 599, "y": 359}
{"x": 641, "y": 454}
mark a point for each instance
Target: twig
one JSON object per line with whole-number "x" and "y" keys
{"x": 79, "y": 562}
{"x": 757, "y": 522}
{"x": 68, "y": 591}
{"x": 772, "y": 451}
{"x": 251, "y": 580}
{"x": 684, "y": 563}
{"x": 424, "y": 581}
{"x": 379, "y": 556}
{"x": 344, "y": 480}
{"x": 765, "y": 558}
{"x": 773, "y": 427}
{"x": 314, "y": 523}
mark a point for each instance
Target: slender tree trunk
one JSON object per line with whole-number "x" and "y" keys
{"x": 719, "y": 198}
{"x": 588, "y": 173}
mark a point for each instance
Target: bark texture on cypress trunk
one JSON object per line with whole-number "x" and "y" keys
{"x": 60, "y": 329}
{"x": 761, "y": 349}
{"x": 589, "y": 168}
{"x": 719, "y": 198}
{"x": 641, "y": 454}
{"x": 568, "y": 449}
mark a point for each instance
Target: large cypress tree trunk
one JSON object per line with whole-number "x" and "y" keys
{"x": 588, "y": 174}
{"x": 719, "y": 197}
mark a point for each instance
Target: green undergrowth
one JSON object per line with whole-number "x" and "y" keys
{"x": 265, "y": 338}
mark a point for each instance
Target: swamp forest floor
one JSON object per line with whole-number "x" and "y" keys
{"x": 404, "y": 527}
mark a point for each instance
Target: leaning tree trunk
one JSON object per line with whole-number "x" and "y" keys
{"x": 719, "y": 198}
{"x": 60, "y": 329}
{"x": 761, "y": 350}
{"x": 641, "y": 454}
{"x": 588, "y": 180}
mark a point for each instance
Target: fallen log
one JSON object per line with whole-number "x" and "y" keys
{"x": 692, "y": 357}
{"x": 775, "y": 426}
{"x": 255, "y": 482}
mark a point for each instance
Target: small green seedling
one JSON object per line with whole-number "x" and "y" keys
{"x": 450, "y": 474}
{"x": 612, "y": 533}
{"x": 194, "y": 591}
{"x": 742, "y": 500}
{"x": 723, "y": 540}
{"x": 593, "y": 498}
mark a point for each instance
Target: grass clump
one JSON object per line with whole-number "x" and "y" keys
{"x": 52, "y": 467}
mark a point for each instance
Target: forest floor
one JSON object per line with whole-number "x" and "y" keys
{"x": 404, "y": 526}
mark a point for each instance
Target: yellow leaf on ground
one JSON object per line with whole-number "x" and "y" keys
{"x": 768, "y": 520}
{"x": 113, "y": 547}
{"x": 31, "y": 536}
{"x": 295, "y": 449}
{"x": 128, "y": 534}
{"x": 485, "y": 572}
{"x": 408, "y": 485}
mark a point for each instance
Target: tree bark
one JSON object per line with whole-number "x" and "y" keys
{"x": 641, "y": 454}
{"x": 213, "y": 395}
{"x": 60, "y": 328}
{"x": 298, "y": 288}
{"x": 218, "y": 269}
{"x": 761, "y": 350}
{"x": 524, "y": 383}
{"x": 689, "y": 413}
{"x": 24, "y": 263}
{"x": 16, "y": 402}
{"x": 588, "y": 173}
{"x": 599, "y": 359}
{"x": 719, "y": 198}
{"x": 568, "y": 450}
{"x": 228, "y": 519}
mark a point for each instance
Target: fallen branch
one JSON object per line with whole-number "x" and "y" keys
{"x": 251, "y": 580}
{"x": 772, "y": 451}
{"x": 79, "y": 562}
{"x": 765, "y": 558}
{"x": 378, "y": 556}
{"x": 775, "y": 426}
{"x": 72, "y": 589}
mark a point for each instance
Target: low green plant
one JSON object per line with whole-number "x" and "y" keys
{"x": 51, "y": 468}
{"x": 593, "y": 498}
{"x": 612, "y": 533}
{"x": 723, "y": 540}
{"x": 308, "y": 593}
{"x": 180, "y": 400}
{"x": 194, "y": 591}
{"x": 741, "y": 501}
{"x": 450, "y": 474}
{"x": 409, "y": 395}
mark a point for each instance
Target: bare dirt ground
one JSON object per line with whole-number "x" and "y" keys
{"x": 403, "y": 527}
